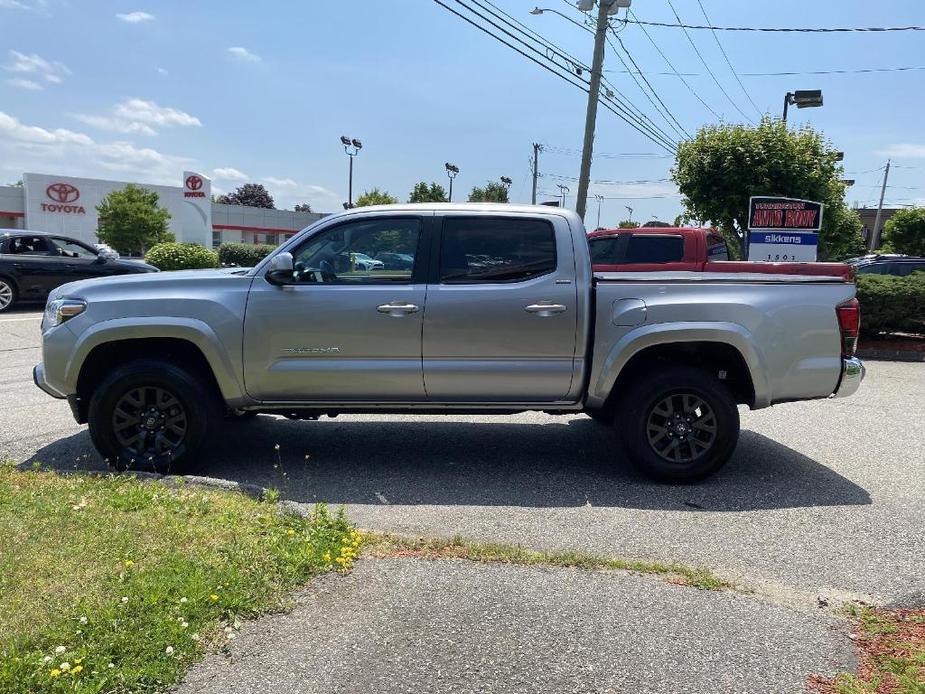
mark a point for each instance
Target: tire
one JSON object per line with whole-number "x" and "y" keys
{"x": 151, "y": 415}
{"x": 8, "y": 294}
{"x": 679, "y": 426}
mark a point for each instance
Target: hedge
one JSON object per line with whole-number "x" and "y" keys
{"x": 891, "y": 304}
{"x": 181, "y": 256}
{"x": 243, "y": 254}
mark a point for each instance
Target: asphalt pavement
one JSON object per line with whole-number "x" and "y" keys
{"x": 822, "y": 499}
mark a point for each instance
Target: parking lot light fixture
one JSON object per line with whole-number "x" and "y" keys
{"x": 452, "y": 171}
{"x": 352, "y": 147}
{"x": 802, "y": 98}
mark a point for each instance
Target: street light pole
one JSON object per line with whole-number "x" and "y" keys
{"x": 506, "y": 182}
{"x": 451, "y": 172}
{"x": 597, "y": 64}
{"x": 562, "y": 191}
{"x": 355, "y": 145}
{"x": 600, "y": 199}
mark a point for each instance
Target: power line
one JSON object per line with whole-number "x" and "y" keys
{"x": 789, "y": 73}
{"x": 676, "y": 73}
{"x": 624, "y": 113}
{"x": 567, "y": 151}
{"x": 677, "y": 127}
{"x": 799, "y": 30}
{"x": 699, "y": 55}
{"x": 729, "y": 62}
{"x": 607, "y": 182}
{"x": 575, "y": 64}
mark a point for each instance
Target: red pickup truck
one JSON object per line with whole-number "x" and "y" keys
{"x": 682, "y": 249}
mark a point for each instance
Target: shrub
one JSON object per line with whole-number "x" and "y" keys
{"x": 243, "y": 254}
{"x": 181, "y": 256}
{"x": 891, "y": 304}
{"x": 905, "y": 232}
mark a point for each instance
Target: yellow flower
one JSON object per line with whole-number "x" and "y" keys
{"x": 129, "y": 563}
{"x": 213, "y": 597}
{"x": 327, "y": 557}
{"x": 290, "y": 532}
{"x": 77, "y": 669}
{"x": 55, "y": 673}
{"x": 78, "y": 661}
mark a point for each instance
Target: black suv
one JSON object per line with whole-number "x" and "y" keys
{"x": 32, "y": 263}
{"x": 888, "y": 264}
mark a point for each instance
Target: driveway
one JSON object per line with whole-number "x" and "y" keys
{"x": 821, "y": 498}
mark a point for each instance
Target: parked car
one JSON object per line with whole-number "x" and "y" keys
{"x": 888, "y": 264}
{"x": 396, "y": 261}
{"x": 32, "y": 263}
{"x": 364, "y": 262}
{"x": 685, "y": 249}
{"x": 153, "y": 362}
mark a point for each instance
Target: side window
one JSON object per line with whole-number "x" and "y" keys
{"x": 70, "y": 249}
{"x": 716, "y": 248}
{"x": 604, "y": 250}
{"x": 477, "y": 250}
{"x": 346, "y": 254}
{"x": 30, "y": 245}
{"x": 654, "y": 248}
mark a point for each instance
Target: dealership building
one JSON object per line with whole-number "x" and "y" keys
{"x": 66, "y": 205}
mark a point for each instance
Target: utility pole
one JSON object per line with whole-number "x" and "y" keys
{"x": 584, "y": 177}
{"x": 537, "y": 148}
{"x": 875, "y": 234}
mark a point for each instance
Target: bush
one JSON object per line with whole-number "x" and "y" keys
{"x": 243, "y": 254}
{"x": 905, "y": 232}
{"x": 891, "y": 304}
{"x": 181, "y": 256}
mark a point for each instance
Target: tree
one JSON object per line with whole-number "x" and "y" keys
{"x": 375, "y": 197}
{"x": 131, "y": 221}
{"x": 628, "y": 224}
{"x": 251, "y": 195}
{"x": 303, "y": 207}
{"x": 427, "y": 193}
{"x": 724, "y": 165}
{"x": 656, "y": 223}
{"x": 492, "y": 192}
{"x": 905, "y": 232}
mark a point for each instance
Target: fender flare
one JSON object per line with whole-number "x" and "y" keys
{"x": 643, "y": 337}
{"x": 192, "y": 330}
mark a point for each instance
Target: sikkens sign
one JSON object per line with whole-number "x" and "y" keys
{"x": 783, "y": 229}
{"x": 64, "y": 197}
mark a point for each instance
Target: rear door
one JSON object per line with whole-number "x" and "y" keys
{"x": 502, "y": 315}
{"x": 35, "y": 269}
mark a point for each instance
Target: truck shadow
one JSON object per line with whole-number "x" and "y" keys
{"x": 565, "y": 462}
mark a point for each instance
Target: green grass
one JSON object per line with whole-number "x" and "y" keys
{"x": 129, "y": 582}
{"x": 385, "y": 545}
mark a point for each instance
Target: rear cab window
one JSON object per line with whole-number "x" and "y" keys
{"x": 654, "y": 248}
{"x": 476, "y": 250}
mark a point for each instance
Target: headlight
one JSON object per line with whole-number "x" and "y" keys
{"x": 61, "y": 310}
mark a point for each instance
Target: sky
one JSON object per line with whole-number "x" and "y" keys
{"x": 140, "y": 90}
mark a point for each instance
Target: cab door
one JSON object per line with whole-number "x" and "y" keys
{"x": 341, "y": 331}
{"x": 502, "y": 310}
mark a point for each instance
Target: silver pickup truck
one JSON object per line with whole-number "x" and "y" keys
{"x": 472, "y": 308}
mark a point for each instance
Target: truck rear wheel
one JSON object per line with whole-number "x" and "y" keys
{"x": 149, "y": 414}
{"x": 679, "y": 426}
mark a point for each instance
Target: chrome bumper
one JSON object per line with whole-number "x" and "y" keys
{"x": 38, "y": 376}
{"x": 852, "y": 373}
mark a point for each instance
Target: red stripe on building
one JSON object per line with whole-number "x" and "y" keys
{"x": 12, "y": 214}
{"x": 232, "y": 227}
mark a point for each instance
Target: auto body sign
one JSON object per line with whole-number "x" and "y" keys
{"x": 783, "y": 229}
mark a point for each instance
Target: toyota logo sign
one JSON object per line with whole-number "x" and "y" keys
{"x": 193, "y": 185}
{"x": 193, "y": 182}
{"x": 62, "y": 192}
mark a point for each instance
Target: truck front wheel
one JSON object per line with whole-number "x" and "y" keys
{"x": 680, "y": 425}
{"x": 150, "y": 414}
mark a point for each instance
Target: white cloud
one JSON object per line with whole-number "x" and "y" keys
{"x": 288, "y": 192}
{"x": 229, "y": 173}
{"x": 139, "y": 117}
{"x": 162, "y": 71}
{"x": 34, "y": 64}
{"x": 24, "y": 84}
{"x": 36, "y": 5}
{"x": 135, "y": 17}
{"x": 36, "y": 148}
{"x": 244, "y": 55}
{"x": 905, "y": 150}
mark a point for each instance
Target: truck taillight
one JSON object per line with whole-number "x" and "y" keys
{"x": 849, "y": 323}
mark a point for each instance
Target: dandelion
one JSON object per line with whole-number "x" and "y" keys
{"x": 76, "y": 670}
{"x": 183, "y": 600}
{"x": 55, "y": 673}
{"x": 327, "y": 557}
{"x": 64, "y": 667}
{"x": 290, "y": 532}
{"x": 110, "y": 666}
{"x": 213, "y": 597}
{"x": 124, "y": 599}
{"x": 129, "y": 563}
{"x": 183, "y": 625}
{"x": 195, "y": 637}
{"x": 169, "y": 650}
{"x": 60, "y": 649}
{"x": 83, "y": 620}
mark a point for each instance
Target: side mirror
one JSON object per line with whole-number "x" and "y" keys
{"x": 100, "y": 259}
{"x": 280, "y": 270}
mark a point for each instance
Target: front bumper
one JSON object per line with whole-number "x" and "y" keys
{"x": 852, "y": 373}
{"x": 38, "y": 376}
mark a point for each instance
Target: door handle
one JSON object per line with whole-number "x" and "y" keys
{"x": 397, "y": 309}
{"x": 545, "y": 308}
